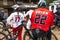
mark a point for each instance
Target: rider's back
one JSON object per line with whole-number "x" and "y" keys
{"x": 42, "y": 19}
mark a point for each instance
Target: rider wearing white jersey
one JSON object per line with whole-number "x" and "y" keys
{"x": 16, "y": 18}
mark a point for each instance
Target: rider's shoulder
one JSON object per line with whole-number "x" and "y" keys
{"x": 30, "y": 10}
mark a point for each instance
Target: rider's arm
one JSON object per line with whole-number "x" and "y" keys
{"x": 52, "y": 19}
{"x": 26, "y": 20}
{"x": 9, "y": 18}
{"x": 29, "y": 22}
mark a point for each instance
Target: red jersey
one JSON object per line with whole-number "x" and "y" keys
{"x": 42, "y": 19}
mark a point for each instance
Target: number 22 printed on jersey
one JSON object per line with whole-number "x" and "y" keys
{"x": 40, "y": 18}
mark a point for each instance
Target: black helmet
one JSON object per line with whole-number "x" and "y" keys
{"x": 18, "y": 9}
{"x": 43, "y": 3}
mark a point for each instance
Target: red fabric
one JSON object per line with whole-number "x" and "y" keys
{"x": 20, "y": 33}
{"x": 42, "y": 19}
{"x": 17, "y": 18}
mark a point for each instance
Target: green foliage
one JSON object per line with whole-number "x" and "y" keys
{"x": 49, "y": 1}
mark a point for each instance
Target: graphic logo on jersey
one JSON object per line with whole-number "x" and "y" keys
{"x": 17, "y": 18}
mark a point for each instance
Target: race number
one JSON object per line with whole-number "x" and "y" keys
{"x": 40, "y": 19}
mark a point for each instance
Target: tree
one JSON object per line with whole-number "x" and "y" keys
{"x": 49, "y": 1}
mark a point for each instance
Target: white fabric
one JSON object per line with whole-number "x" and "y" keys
{"x": 50, "y": 8}
{"x": 54, "y": 10}
{"x": 15, "y": 6}
{"x": 13, "y": 16}
{"x": 28, "y": 23}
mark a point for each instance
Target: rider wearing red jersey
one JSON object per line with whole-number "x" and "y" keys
{"x": 43, "y": 19}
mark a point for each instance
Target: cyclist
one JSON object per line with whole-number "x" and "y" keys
{"x": 42, "y": 19}
{"x": 2, "y": 17}
{"x": 57, "y": 16}
{"x": 15, "y": 20}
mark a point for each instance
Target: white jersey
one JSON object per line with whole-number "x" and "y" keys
{"x": 29, "y": 22}
{"x": 17, "y": 20}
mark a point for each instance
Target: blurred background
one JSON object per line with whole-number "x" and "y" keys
{"x": 6, "y": 5}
